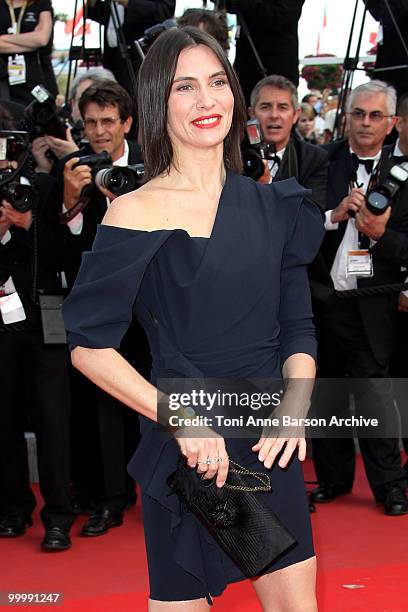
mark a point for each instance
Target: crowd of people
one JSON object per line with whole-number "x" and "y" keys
{"x": 86, "y": 437}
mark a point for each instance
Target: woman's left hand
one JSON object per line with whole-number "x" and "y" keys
{"x": 269, "y": 449}
{"x": 298, "y": 372}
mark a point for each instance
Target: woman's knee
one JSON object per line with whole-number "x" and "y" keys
{"x": 291, "y": 589}
{"x": 193, "y": 605}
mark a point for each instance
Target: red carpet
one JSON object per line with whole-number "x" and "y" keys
{"x": 355, "y": 542}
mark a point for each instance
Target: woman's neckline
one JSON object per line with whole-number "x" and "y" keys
{"x": 181, "y": 229}
{"x": 155, "y": 231}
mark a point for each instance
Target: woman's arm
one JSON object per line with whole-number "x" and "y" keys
{"x": 299, "y": 371}
{"x": 29, "y": 41}
{"x": 110, "y": 371}
{"x": 300, "y": 365}
{"x": 8, "y": 47}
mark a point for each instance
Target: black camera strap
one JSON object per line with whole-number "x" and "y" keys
{"x": 66, "y": 217}
{"x": 363, "y": 240}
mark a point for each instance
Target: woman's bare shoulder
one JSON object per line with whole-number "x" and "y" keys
{"x": 136, "y": 210}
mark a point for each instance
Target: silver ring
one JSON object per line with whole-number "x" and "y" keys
{"x": 220, "y": 459}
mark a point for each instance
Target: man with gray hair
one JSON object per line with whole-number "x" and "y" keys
{"x": 275, "y": 104}
{"x": 361, "y": 250}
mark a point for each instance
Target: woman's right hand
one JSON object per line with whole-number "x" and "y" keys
{"x": 202, "y": 444}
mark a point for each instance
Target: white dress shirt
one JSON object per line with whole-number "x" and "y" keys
{"x": 338, "y": 272}
{"x": 273, "y": 166}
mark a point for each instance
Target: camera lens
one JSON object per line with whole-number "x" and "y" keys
{"x": 21, "y": 197}
{"x": 117, "y": 180}
{"x": 253, "y": 164}
{"x": 378, "y": 201}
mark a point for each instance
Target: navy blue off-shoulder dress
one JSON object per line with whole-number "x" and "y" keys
{"x": 234, "y": 305}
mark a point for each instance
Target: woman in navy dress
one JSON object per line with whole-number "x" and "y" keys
{"x": 214, "y": 266}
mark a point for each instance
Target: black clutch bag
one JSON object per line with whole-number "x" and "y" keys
{"x": 238, "y": 519}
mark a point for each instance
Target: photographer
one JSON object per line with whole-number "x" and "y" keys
{"x": 26, "y": 35}
{"x": 356, "y": 333}
{"x": 399, "y": 153}
{"x": 29, "y": 265}
{"x": 103, "y": 436}
{"x": 135, "y": 16}
{"x": 59, "y": 147}
{"x": 275, "y": 105}
{"x": 106, "y": 111}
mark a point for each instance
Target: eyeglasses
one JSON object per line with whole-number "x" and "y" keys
{"x": 106, "y": 122}
{"x": 374, "y": 116}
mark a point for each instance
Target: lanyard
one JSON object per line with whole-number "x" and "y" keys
{"x": 16, "y": 25}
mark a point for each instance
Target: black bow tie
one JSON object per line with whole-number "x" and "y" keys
{"x": 367, "y": 163}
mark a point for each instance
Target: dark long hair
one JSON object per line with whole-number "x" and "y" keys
{"x": 154, "y": 84}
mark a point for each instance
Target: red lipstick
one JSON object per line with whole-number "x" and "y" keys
{"x": 209, "y": 121}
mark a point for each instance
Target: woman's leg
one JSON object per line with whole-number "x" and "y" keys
{"x": 194, "y": 605}
{"x": 291, "y": 589}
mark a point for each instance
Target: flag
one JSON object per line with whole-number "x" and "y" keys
{"x": 76, "y": 24}
{"x": 324, "y": 25}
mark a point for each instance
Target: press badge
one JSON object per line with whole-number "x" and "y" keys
{"x": 359, "y": 263}
{"x": 16, "y": 69}
{"x": 11, "y": 308}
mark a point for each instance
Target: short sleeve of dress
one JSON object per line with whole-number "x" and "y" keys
{"x": 98, "y": 311}
{"x": 304, "y": 235}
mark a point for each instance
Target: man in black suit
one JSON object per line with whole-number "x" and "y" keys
{"x": 274, "y": 103}
{"x": 273, "y": 27}
{"x": 135, "y": 16}
{"x": 99, "y": 466}
{"x": 399, "y": 367}
{"x": 356, "y": 334}
{"x": 30, "y": 261}
{"x": 390, "y": 51}
{"x": 106, "y": 110}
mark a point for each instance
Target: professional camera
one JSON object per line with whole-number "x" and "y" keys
{"x": 254, "y": 157}
{"x": 116, "y": 179}
{"x": 379, "y": 198}
{"x": 22, "y": 197}
{"x": 42, "y": 116}
{"x": 12, "y": 144}
{"x": 153, "y": 32}
{"x": 95, "y": 161}
{"x": 119, "y": 180}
